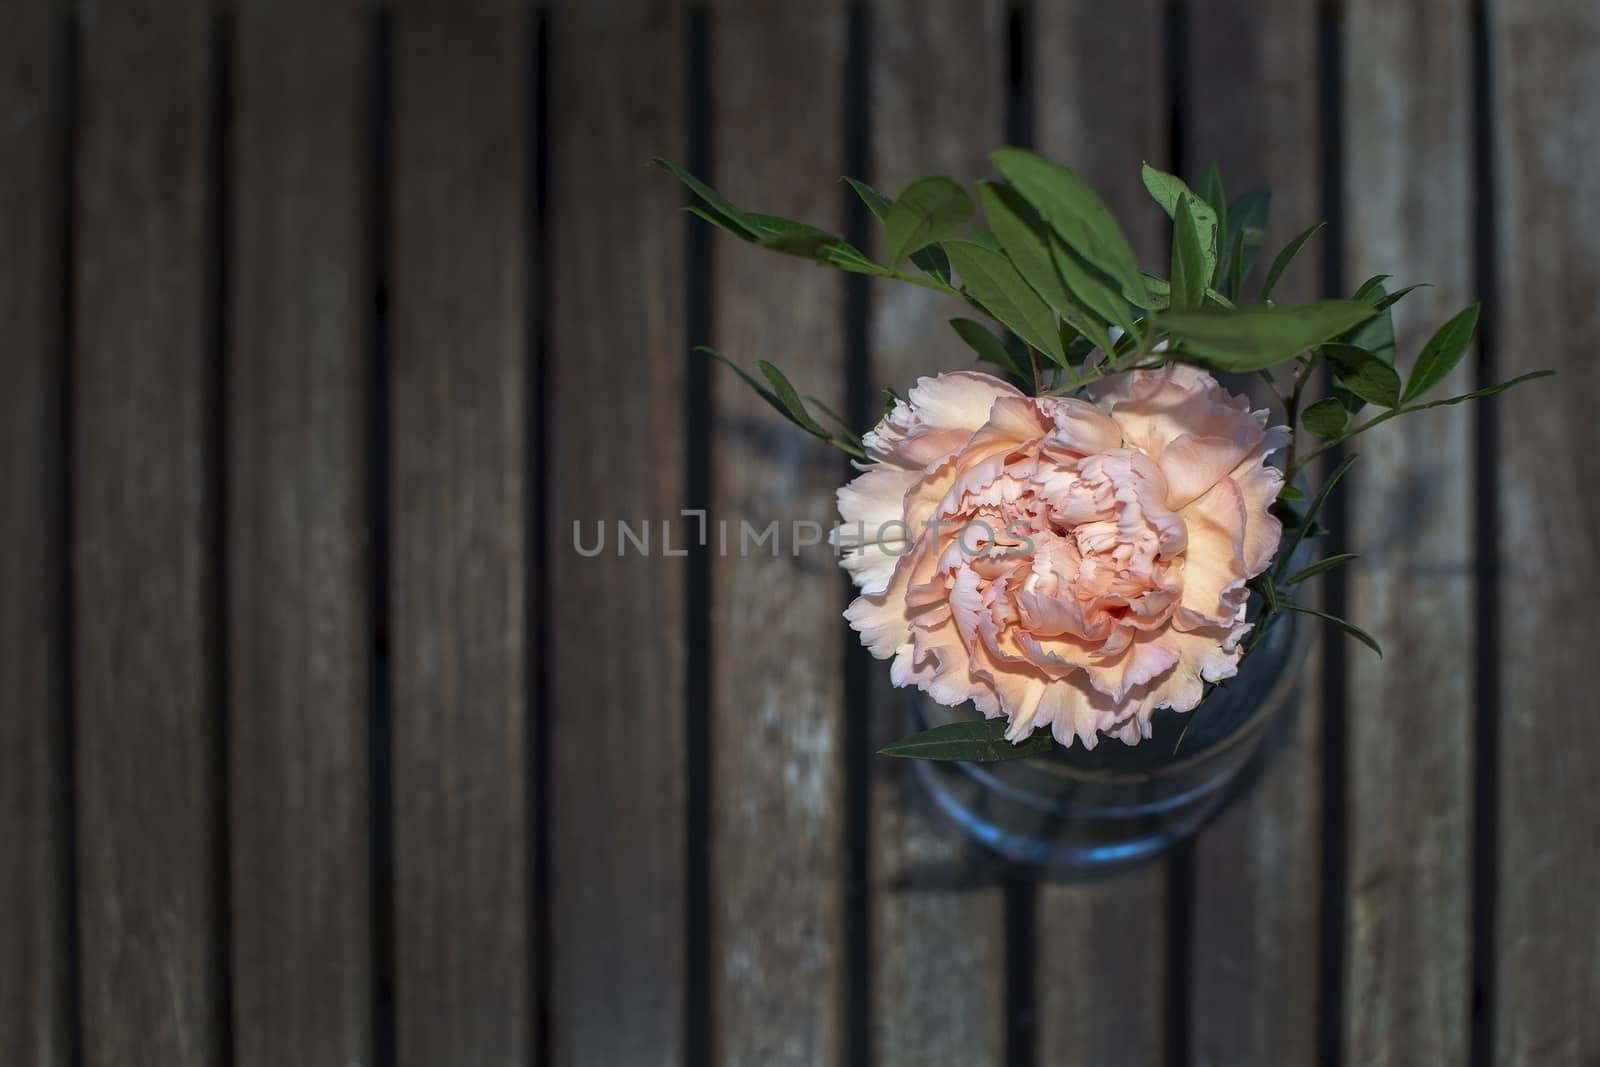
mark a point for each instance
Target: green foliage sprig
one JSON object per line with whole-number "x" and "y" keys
{"x": 1057, "y": 276}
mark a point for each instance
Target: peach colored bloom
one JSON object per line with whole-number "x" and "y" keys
{"x": 1063, "y": 563}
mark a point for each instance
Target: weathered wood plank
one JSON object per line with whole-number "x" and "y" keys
{"x": 299, "y": 597}
{"x": 1097, "y": 110}
{"x": 1102, "y": 944}
{"x": 1546, "y": 64}
{"x": 616, "y": 365}
{"x": 938, "y": 940}
{"x": 153, "y": 975}
{"x": 1101, "y": 950}
{"x": 1253, "y": 108}
{"x": 36, "y": 998}
{"x": 778, "y": 697}
{"x": 1407, "y": 949}
{"x": 459, "y": 479}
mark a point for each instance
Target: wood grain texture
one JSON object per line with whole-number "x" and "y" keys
{"x": 938, "y": 996}
{"x": 1102, "y": 944}
{"x": 36, "y": 998}
{"x": 1408, "y": 212}
{"x": 299, "y": 594}
{"x": 1252, "y": 108}
{"x": 459, "y": 479}
{"x": 148, "y": 817}
{"x": 1546, "y": 65}
{"x": 1098, "y": 109}
{"x": 777, "y": 721}
{"x": 1102, "y": 964}
{"x": 615, "y": 417}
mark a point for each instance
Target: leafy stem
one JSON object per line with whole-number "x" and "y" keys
{"x": 1115, "y": 363}
{"x": 1327, "y": 446}
{"x": 927, "y": 283}
{"x": 1292, "y": 407}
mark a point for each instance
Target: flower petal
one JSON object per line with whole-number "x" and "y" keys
{"x": 874, "y": 535}
{"x": 1260, "y": 485}
{"x": 1193, "y": 464}
{"x": 1214, "y": 577}
{"x": 1080, "y": 427}
{"x": 1140, "y": 663}
{"x": 883, "y": 619}
{"x": 938, "y": 416}
{"x": 1206, "y": 655}
{"x": 1179, "y": 416}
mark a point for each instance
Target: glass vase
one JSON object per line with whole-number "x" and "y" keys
{"x": 1081, "y": 811}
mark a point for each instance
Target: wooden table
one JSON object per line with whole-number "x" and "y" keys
{"x": 321, "y": 324}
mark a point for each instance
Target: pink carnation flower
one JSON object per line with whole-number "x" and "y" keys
{"x": 1062, "y": 563}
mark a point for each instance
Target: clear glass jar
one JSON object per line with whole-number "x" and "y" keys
{"x": 1086, "y": 811}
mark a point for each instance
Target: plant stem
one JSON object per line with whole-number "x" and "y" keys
{"x": 926, "y": 283}
{"x": 1130, "y": 360}
{"x": 1038, "y": 372}
{"x": 1292, "y": 407}
{"x": 1369, "y": 424}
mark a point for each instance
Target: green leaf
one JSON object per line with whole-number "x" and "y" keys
{"x": 1210, "y": 189}
{"x": 1289, "y": 492}
{"x": 1191, "y": 271}
{"x": 717, "y": 210}
{"x": 1256, "y": 337}
{"x": 1327, "y": 418}
{"x": 1075, "y": 212}
{"x": 725, "y": 223}
{"x": 1293, "y": 520}
{"x": 876, "y": 202}
{"x": 1372, "y": 289}
{"x": 1160, "y": 292}
{"x": 1247, "y": 227}
{"x": 930, "y": 210}
{"x": 1478, "y": 394}
{"x": 794, "y": 407}
{"x": 931, "y": 260}
{"x": 1264, "y": 585}
{"x": 1376, "y": 335}
{"x": 1327, "y": 563}
{"x": 1280, "y": 263}
{"x": 982, "y": 741}
{"x": 991, "y": 349}
{"x": 1391, "y": 299}
{"x": 1170, "y": 191}
{"x": 1363, "y": 374}
{"x": 850, "y": 444}
{"x": 837, "y": 419}
{"x": 852, "y": 259}
{"x": 713, "y": 199}
{"x": 1235, "y": 262}
{"x": 773, "y": 232}
{"x": 1025, "y": 239}
{"x": 1442, "y": 352}
{"x": 1344, "y": 624}
{"x": 1309, "y": 517}
{"x": 1097, "y": 292}
{"x": 793, "y": 238}
{"x": 980, "y": 236}
{"x": 1080, "y": 350}
{"x": 995, "y": 284}
{"x": 1166, "y": 189}
{"x": 760, "y": 390}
